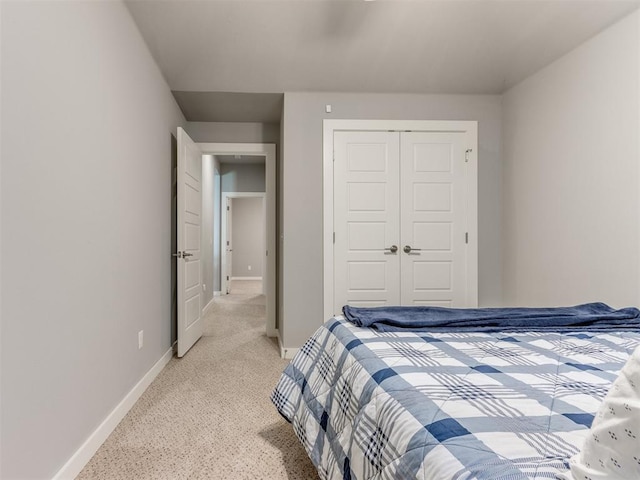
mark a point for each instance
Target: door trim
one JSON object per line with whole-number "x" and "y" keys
{"x": 224, "y": 234}
{"x": 330, "y": 126}
{"x": 268, "y": 150}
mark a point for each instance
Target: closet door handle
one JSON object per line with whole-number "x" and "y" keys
{"x": 392, "y": 249}
{"x": 408, "y": 249}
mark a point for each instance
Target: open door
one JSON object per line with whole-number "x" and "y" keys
{"x": 190, "y": 325}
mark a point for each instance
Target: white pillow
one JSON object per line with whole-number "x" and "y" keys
{"x": 612, "y": 448}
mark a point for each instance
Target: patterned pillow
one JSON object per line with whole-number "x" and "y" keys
{"x": 612, "y": 448}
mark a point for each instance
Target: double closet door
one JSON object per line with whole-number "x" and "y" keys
{"x": 402, "y": 212}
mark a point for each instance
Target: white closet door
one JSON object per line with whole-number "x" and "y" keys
{"x": 434, "y": 210}
{"x": 366, "y": 220}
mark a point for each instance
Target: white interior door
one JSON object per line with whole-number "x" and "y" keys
{"x": 229, "y": 244}
{"x": 433, "y": 218}
{"x": 366, "y": 220}
{"x": 190, "y": 324}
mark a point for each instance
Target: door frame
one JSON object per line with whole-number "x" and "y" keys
{"x": 224, "y": 234}
{"x": 330, "y": 126}
{"x": 268, "y": 151}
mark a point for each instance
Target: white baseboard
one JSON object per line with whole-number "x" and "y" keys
{"x": 246, "y": 278}
{"x": 217, "y": 293}
{"x": 82, "y": 456}
{"x": 209, "y": 305}
{"x": 287, "y": 353}
{"x": 273, "y": 332}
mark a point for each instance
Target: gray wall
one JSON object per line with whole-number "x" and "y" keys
{"x": 571, "y": 172}
{"x": 87, "y": 123}
{"x": 242, "y": 177}
{"x": 248, "y": 236}
{"x": 303, "y": 113}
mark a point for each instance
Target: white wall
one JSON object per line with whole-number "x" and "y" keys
{"x": 301, "y": 247}
{"x": 571, "y": 176}
{"x": 87, "y": 123}
{"x": 248, "y": 236}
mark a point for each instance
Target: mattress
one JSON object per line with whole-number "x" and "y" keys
{"x": 447, "y": 405}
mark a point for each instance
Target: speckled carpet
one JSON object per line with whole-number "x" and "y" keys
{"x": 208, "y": 415}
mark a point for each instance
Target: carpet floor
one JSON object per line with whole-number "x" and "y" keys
{"x": 208, "y": 415}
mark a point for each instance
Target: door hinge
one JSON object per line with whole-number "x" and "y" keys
{"x": 227, "y": 208}
{"x": 266, "y": 254}
{"x": 227, "y": 243}
{"x": 466, "y": 237}
{"x": 334, "y": 237}
{"x": 227, "y": 278}
{"x": 466, "y": 154}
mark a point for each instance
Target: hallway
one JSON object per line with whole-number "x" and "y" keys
{"x": 208, "y": 415}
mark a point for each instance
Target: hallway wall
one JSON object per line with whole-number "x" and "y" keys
{"x": 248, "y": 236}
{"x": 238, "y": 177}
{"x": 210, "y": 201}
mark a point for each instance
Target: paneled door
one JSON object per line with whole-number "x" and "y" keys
{"x": 367, "y": 224}
{"x": 433, "y": 219}
{"x": 190, "y": 324}
{"x": 401, "y": 212}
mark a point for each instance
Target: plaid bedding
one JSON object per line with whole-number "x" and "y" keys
{"x": 441, "y": 406}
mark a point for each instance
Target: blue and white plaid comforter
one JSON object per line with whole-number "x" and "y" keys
{"x": 436, "y": 406}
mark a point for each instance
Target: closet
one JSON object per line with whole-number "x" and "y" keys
{"x": 404, "y": 216}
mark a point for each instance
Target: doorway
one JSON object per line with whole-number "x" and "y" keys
{"x": 243, "y": 153}
{"x": 243, "y": 239}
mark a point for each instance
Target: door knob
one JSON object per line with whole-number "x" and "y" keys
{"x": 408, "y": 249}
{"x": 392, "y": 249}
{"x": 179, "y": 254}
{"x": 185, "y": 254}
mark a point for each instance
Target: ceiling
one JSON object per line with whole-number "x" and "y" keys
{"x": 390, "y": 46}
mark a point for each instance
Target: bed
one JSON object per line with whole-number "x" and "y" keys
{"x": 449, "y": 403}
